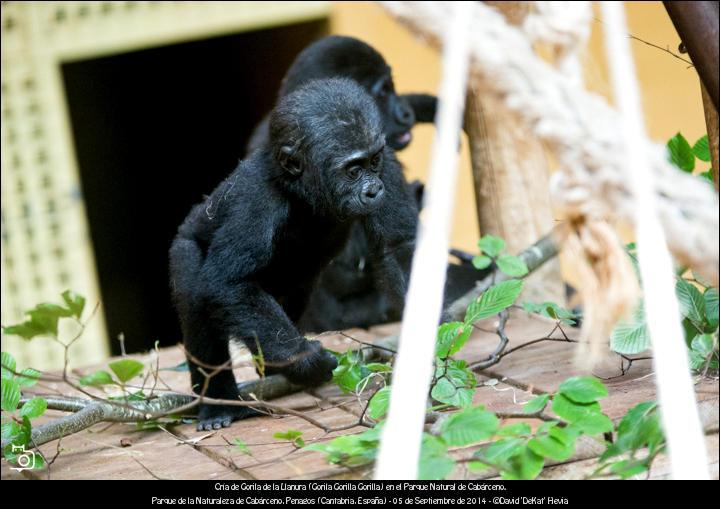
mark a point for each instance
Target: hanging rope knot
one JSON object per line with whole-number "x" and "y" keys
{"x": 609, "y": 286}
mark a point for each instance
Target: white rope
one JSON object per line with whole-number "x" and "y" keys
{"x": 581, "y": 129}
{"x": 566, "y": 27}
{"x": 675, "y": 388}
{"x": 401, "y": 438}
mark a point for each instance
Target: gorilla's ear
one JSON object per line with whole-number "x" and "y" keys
{"x": 289, "y": 160}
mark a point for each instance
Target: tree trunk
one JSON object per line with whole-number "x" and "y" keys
{"x": 510, "y": 172}
{"x": 711, "y": 121}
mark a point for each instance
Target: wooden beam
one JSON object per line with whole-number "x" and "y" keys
{"x": 711, "y": 121}
{"x": 697, "y": 25}
{"x": 510, "y": 173}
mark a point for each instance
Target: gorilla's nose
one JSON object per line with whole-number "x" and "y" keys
{"x": 372, "y": 193}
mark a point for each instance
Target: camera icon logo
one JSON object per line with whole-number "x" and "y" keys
{"x": 25, "y": 459}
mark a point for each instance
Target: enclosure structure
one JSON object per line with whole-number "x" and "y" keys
{"x": 61, "y": 167}
{"x": 591, "y": 190}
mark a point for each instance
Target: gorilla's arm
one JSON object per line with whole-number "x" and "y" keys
{"x": 391, "y": 234}
{"x": 424, "y": 106}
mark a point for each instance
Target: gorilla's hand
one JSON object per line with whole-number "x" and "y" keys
{"x": 312, "y": 367}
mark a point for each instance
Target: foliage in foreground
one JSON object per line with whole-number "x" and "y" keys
{"x": 515, "y": 450}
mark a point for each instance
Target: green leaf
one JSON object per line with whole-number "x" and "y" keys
{"x": 10, "y": 395}
{"x": 435, "y": 463}
{"x": 557, "y": 444}
{"x": 43, "y": 321}
{"x": 629, "y": 468}
{"x": 546, "y": 426}
{"x": 692, "y": 303}
{"x": 19, "y": 435}
{"x": 519, "y": 429}
{"x": 537, "y": 404}
{"x": 639, "y": 428}
{"x": 241, "y": 446}
{"x": 500, "y": 451}
{"x": 349, "y": 371}
{"x": 681, "y": 154}
{"x": 52, "y": 310}
{"x": 493, "y": 300}
{"x": 697, "y": 361}
{"x": 451, "y": 337}
{"x": 512, "y": 266}
{"x": 379, "y": 367}
{"x": 26, "y": 330}
{"x": 476, "y": 466}
{"x": 292, "y": 435}
{"x": 468, "y": 426}
{"x": 711, "y": 307}
{"x": 583, "y": 389}
{"x": 10, "y": 430}
{"x": 702, "y": 348}
{"x": 481, "y": 262}
{"x": 455, "y": 384}
{"x": 34, "y": 408}
{"x": 491, "y": 246}
{"x": 690, "y": 331}
{"x": 631, "y": 336}
{"x": 350, "y": 450}
{"x": 586, "y": 417}
{"x": 707, "y": 176}
{"x": 28, "y": 377}
{"x": 524, "y": 466}
{"x": 126, "y": 369}
{"x": 553, "y": 311}
{"x": 97, "y": 379}
{"x": 74, "y": 302}
{"x": 701, "y": 149}
{"x": 16, "y": 433}
{"x": 379, "y": 403}
{"x": 8, "y": 365}
{"x": 45, "y": 318}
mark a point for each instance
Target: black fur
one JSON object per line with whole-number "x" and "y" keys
{"x": 347, "y": 57}
{"x": 347, "y": 294}
{"x": 245, "y": 260}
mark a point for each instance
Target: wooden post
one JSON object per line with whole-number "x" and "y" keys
{"x": 510, "y": 173}
{"x": 711, "y": 121}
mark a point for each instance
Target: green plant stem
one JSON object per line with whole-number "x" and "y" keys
{"x": 534, "y": 257}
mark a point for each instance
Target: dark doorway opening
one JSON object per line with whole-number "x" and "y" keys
{"x": 154, "y": 131}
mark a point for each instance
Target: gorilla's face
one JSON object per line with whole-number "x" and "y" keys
{"x": 398, "y": 116}
{"x": 356, "y": 181}
{"x": 328, "y": 136}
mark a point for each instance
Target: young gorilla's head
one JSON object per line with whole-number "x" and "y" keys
{"x": 327, "y": 137}
{"x": 347, "y": 57}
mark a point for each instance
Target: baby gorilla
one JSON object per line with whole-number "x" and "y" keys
{"x": 245, "y": 260}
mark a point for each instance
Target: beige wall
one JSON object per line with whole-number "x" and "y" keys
{"x": 670, "y": 90}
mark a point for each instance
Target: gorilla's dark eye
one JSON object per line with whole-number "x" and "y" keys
{"x": 375, "y": 161}
{"x": 353, "y": 172}
{"x": 384, "y": 90}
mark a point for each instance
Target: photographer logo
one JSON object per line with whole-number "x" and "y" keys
{"x": 25, "y": 459}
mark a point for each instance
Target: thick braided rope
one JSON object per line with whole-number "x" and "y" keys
{"x": 608, "y": 290}
{"x": 565, "y": 26}
{"x": 581, "y": 129}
